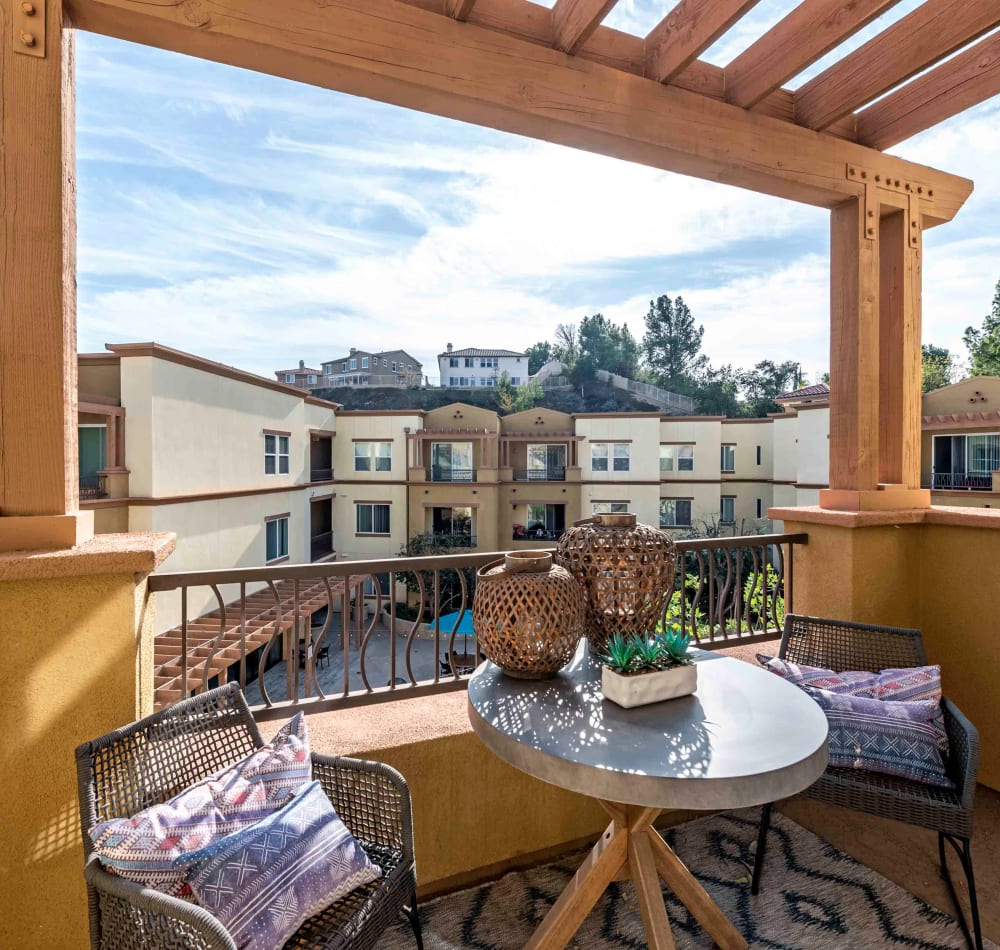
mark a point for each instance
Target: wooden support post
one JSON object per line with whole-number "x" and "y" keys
{"x": 38, "y": 437}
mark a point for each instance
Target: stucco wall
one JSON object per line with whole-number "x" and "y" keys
{"x": 813, "y": 437}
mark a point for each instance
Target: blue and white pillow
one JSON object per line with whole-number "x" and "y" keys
{"x": 906, "y": 739}
{"x": 264, "y": 882}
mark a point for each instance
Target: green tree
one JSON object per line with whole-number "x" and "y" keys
{"x": 672, "y": 344}
{"x": 504, "y": 392}
{"x": 528, "y": 395}
{"x": 538, "y": 355}
{"x": 716, "y": 392}
{"x": 764, "y": 383}
{"x": 984, "y": 343}
{"x": 605, "y": 345}
{"x": 936, "y": 367}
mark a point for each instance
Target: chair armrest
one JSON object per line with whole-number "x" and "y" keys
{"x": 175, "y": 922}
{"x": 963, "y": 751}
{"x": 372, "y": 798}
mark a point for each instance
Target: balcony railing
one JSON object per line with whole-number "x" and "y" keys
{"x": 960, "y": 481}
{"x": 297, "y": 634}
{"x": 442, "y": 474}
{"x": 520, "y": 533}
{"x": 454, "y": 539}
{"x": 321, "y": 545}
{"x": 321, "y": 474}
{"x": 93, "y": 486}
{"x": 551, "y": 474}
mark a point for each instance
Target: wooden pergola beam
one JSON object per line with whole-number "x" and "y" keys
{"x": 459, "y": 9}
{"x": 934, "y": 30}
{"x": 573, "y": 21}
{"x": 687, "y": 31}
{"x": 970, "y": 78}
{"x": 810, "y": 31}
{"x": 401, "y": 54}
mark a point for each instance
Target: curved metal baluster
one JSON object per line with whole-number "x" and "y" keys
{"x": 670, "y": 596}
{"x": 184, "y": 642}
{"x": 458, "y": 620}
{"x": 278, "y": 620}
{"x": 219, "y": 638}
{"x": 696, "y": 600}
{"x": 317, "y": 644}
{"x": 724, "y": 592}
{"x": 437, "y": 625}
{"x": 392, "y": 629}
{"x": 419, "y": 575}
{"x": 754, "y": 579}
{"x": 366, "y": 636}
{"x": 779, "y": 584}
{"x": 738, "y": 593}
{"x": 345, "y": 633}
{"x": 292, "y": 666}
{"x": 243, "y": 635}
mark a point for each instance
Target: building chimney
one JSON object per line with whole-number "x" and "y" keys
{"x": 354, "y": 350}
{"x": 302, "y": 364}
{"x": 448, "y": 347}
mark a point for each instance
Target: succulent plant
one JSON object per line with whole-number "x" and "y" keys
{"x": 647, "y": 653}
{"x": 621, "y": 653}
{"x": 673, "y": 646}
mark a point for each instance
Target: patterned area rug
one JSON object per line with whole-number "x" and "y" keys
{"x": 812, "y": 897}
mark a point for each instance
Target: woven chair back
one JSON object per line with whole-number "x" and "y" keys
{"x": 839, "y": 645}
{"x": 153, "y": 759}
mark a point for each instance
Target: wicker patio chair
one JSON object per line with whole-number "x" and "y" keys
{"x": 157, "y": 757}
{"x": 838, "y": 645}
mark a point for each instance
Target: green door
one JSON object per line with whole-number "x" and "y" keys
{"x": 93, "y": 449}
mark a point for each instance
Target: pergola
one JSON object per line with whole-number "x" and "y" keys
{"x": 79, "y": 649}
{"x": 552, "y": 74}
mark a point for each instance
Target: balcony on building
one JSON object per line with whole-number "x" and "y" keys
{"x": 321, "y": 456}
{"x": 321, "y": 529}
{"x": 452, "y": 526}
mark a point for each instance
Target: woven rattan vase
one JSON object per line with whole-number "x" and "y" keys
{"x": 626, "y": 570}
{"x": 528, "y": 614}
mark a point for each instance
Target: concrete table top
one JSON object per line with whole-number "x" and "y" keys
{"x": 745, "y": 737}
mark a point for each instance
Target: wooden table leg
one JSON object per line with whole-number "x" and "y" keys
{"x": 693, "y": 896}
{"x": 647, "y": 890}
{"x": 592, "y": 879}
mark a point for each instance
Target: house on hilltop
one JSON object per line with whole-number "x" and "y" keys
{"x": 473, "y": 367}
{"x": 366, "y": 368}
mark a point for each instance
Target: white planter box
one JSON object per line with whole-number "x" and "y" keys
{"x": 639, "y": 689}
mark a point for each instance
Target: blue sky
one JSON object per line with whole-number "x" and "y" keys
{"x": 257, "y": 222}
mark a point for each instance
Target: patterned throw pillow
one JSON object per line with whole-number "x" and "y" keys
{"x": 145, "y": 847}
{"x": 264, "y": 882}
{"x": 903, "y": 739}
{"x": 905, "y": 685}
{"x": 851, "y": 683}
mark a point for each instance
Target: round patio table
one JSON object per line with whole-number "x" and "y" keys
{"x": 745, "y": 737}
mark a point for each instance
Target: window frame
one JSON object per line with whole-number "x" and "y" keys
{"x": 731, "y": 446}
{"x": 374, "y": 455}
{"x": 364, "y": 362}
{"x": 371, "y": 506}
{"x": 281, "y": 534}
{"x": 676, "y": 523}
{"x": 613, "y": 454}
{"x": 280, "y": 458}
{"x": 610, "y": 507}
{"x": 722, "y": 509}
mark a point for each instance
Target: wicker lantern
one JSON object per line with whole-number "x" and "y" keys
{"x": 529, "y": 614}
{"x": 626, "y": 570}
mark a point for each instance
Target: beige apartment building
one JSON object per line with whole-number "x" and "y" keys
{"x": 238, "y": 466}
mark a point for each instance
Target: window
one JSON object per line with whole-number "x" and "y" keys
{"x": 544, "y": 522}
{"x": 487, "y": 381}
{"x": 354, "y": 364}
{"x": 760, "y": 506}
{"x": 618, "y": 452}
{"x": 546, "y": 461}
{"x": 727, "y": 509}
{"x": 343, "y": 366}
{"x": 364, "y": 362}
{"x": 515, "y": 380}
{"x": 676, "y": 458}
{"x": 453, "y": 361}
{"x": 489, "y": 362}
{"x": 451, "y": 462}
{"x": 289, "y": 377}
{"x": 758, "y": 460}
{"x": 275, "y": 454}
{"x": 675, "y": 512}
{"x": 373, "y": 456}
{"x": 409, "y": 368}
{"x": 454, "y": 523}
{"x": 327, "y": 369}
{"x": 463, "y": 380}
{"x": 609, "y": 507}
{"x": 276, "y": 538}
{"x": 984, "y": 454}
{"x": 452, "y": 380}
{"x": 312, "y": 379}
{"x": 728, "y": 462}
{"x": 469, "y": 362}
{"x": 372, "y": 518}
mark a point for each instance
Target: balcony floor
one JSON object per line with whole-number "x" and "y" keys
{"x": 812, "y": 896}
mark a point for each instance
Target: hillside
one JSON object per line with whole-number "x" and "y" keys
{"x": 596, "y": 397}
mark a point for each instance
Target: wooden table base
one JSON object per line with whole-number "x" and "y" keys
{"x": 632, "y": 849}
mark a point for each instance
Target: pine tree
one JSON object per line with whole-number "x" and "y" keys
{"x": 984, "y": 344}
{"x": 672, "y": 344}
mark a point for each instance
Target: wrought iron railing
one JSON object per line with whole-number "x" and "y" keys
{"x": 961, "y": 481}
{"x": 321, "y": 545}
{"x": 321, "y": 474}
{"x": 441, "y": 473}
{"x": 93, "y": 486}
{"x": 521, "y": 533}
{"x": 349, "y": 633}
{"x": 554, "y": 473}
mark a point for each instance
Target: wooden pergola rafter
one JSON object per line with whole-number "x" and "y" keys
{"x": 554, "y": 74}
